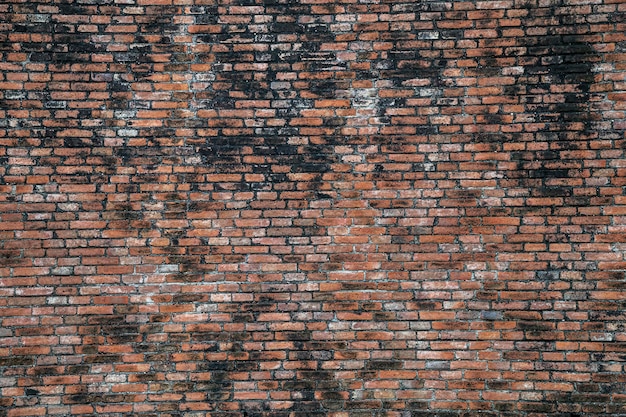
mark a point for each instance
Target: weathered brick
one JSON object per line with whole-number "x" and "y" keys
{"x": 283, "y": 208}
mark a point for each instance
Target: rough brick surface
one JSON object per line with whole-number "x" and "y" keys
{"x": 289, "y": 208}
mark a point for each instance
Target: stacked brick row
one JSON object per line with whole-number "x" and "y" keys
{"x": 289, "y": 208}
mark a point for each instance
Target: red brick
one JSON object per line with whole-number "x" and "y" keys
{"x": 420, "y": 205}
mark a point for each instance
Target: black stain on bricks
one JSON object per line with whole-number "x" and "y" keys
{"x": 241, "y": 77}
{"x": 560, "y": 64}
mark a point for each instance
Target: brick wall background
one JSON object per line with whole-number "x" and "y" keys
{"x": 290, "y": 208}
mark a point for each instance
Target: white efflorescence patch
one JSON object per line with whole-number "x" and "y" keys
{"x": 364, "y": 98}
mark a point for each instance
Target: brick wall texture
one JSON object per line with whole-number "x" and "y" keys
{"x": 294, "y": 208}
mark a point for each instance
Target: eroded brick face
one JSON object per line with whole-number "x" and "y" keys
{"x": 281, "y": 208}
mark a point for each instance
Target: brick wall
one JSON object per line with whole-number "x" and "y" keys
{"x": 289, "y": 208}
